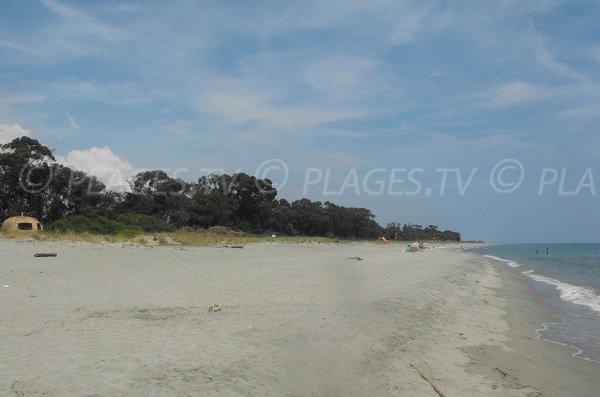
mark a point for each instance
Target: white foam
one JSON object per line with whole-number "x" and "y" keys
{"x": 509, "y": 263}
{"x": 571, "y": 293}
{"x": 578, "y": 354}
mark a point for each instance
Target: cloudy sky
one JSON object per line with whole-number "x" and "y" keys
{"x": 494, "y": 106}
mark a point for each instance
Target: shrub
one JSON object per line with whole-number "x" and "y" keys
{"x": 188, "y": 229}
{"x": 98, "y": 225}
{"x": 148, "y": 223}
{"x": 226, "y": 231}
{"x": 129, "y": 233}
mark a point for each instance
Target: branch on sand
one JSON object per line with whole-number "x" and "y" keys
{"x": 437, "y": 390}
{"x": 502, "y": 372}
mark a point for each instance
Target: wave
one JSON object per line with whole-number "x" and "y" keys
{"x": 578, "y": 354}
{"x": 571, "y": 293}
{"x": 568, "y": 292}
{"x": 512, "y": 264}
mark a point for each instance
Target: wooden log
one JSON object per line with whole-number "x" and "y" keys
{"x": 45, "y": 255}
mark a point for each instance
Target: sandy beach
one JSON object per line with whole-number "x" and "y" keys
{"x": 294, "y": 320}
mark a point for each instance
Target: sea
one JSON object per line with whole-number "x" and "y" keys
{"x": 569, "y": 274}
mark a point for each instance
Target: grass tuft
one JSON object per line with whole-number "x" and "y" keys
{"x": 181, "y": 237}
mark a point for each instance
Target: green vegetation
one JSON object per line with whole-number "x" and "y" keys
{"x": 395, "y": 231}
{"x": 146, "y": 223}
{"x": 179, "y": 237}
{"x": 97, "y": 225}
{"x": 237, "y": 206}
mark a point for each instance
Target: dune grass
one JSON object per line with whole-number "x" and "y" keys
{"x": 184, "y": 238}
{"x": 65, "y": 236}
{"x": 207, "y": 238}
{"x": 187, "y": 238}
{"x": 51, "y": 236}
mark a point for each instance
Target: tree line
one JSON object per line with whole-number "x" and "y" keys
{"x": 34, "y": 183}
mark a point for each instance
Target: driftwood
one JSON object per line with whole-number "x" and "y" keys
{"x": 45, "y": 255}
{"x": 232, "y": 246}
{"x": 437, "y": 390}
{"x": 358, "y": 258}
{"x": 502, "y": 372}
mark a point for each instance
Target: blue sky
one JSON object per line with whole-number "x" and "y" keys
{"x": 336, "y": 85}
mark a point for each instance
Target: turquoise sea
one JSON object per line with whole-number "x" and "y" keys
{"x": 570, "y": 274}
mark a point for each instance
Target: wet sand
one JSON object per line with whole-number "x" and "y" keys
{"x": 529, "y": 360}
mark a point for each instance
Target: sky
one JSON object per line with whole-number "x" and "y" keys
{"x": 476, "y": 116}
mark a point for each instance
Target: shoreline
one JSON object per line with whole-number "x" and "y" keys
{"x": 550, "y": 292}
{"x": 300, "y": 319}
{"x": 547, "y": 366}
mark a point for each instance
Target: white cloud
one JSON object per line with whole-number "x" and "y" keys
{"x": 102, "y": 163}
{"x": 178, "y": 127}
{"x": 547, "y": 59}
{"x": 514, "y": 93}
{"x": 518, "y": 7}
{"x": 11, "y": 45}
{"x": 586, "y": 112}
{"x": 111, "y": 93}
{"x": 73, "y": 33}
{"x": 345, "y": 134}
{"x": 20, "y": 99}
{"x": 72, "y": 122}
{"x": 8, "y": 132}
{"x": 388, "y": 21}
{"x": 86, "y": 24}
{"x": 244, "y": 107}
{"x": 342, "y": 76}
{"x": 124, "y": 7}
{"x": 412, "y": 22}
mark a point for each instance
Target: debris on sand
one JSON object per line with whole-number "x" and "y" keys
{"x": 358, "y": 258}
{"x": 216, "y": 307}
{"x": 45, "y": 255}
{"x": 425, "y": 378}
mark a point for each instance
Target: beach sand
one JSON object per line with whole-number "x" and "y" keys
{"x": 294, "y": 320}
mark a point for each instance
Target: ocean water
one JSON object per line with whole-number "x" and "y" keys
{"x": 570, "y": 275}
